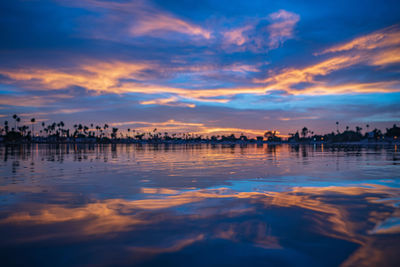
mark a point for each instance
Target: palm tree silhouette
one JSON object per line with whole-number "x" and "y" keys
{"x": 15, "y": 120}
{"x": 6, "y": 126}
{"x": 304, "y": 132}
{"x": 33, "y": 123}
{"x": 105, "y": 128}
{"x": 114, "y": 133}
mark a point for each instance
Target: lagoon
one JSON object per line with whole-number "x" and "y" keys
{"x": 199, "y": 205}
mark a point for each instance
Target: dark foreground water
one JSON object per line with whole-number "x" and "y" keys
{"x": 199, "y": 205}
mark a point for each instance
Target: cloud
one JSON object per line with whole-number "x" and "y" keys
{"x": 257, "y": 37}
{"x": 237, "y": 36}
{"x": 383, "y": 38}
{"x": 172, "y": 101}
{"x": 293, "y": 76}
{"x": 96, "y": 76}
{"x": 281, "y": 27}
{"x": 124, "y": 77}
{"x": 158, "y": 124}
{"x": 120, "y": 77}
{"x": 160, "y": 24}
{"x": 135, "y": 18}
{"x": 379, "y": 49}
{"x": 386, "y": 57}
{"x": 288, "y": 79}
{"x": 187, "y": 127}
{"x": 30, "y": 100}
{"x": 116, "y": 77}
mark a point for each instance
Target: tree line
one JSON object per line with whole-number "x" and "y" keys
{"x": 58, "y": 132}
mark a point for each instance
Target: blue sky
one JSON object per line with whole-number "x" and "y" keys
{"x": 205, "y": 67}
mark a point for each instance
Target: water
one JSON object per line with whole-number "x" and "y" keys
{"x": 199, "y": 205}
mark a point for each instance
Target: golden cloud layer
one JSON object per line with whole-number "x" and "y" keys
{"x": 117, "y": 77}
{"x": 383, "y": 38}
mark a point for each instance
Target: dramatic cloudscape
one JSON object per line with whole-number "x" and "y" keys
{"x": 204, "y": 67}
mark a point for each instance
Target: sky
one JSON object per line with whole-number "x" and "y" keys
{"x": 205, "y": 67}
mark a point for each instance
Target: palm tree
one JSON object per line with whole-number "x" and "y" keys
{"x": 97, "y": 129}
{"x": 85, "y": 129}
{"x": 304, "y": 132}
{"x": 43, "y": 125}
{"x": 15, "y": 117}
{"x": 62, "y": 127}
{"x": 367, "y": 127}
{"x": 337, "y": 126}
{"x": 76, "y": 130}
{"x": 33, "y": 123}
{"x": 114, "y": 133}
{"x": 105, "y": 128}
{"x": 6, "y": 126}
{"x": 53, "y": 126}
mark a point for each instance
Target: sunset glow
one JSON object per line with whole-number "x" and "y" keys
{"x": 130, "y": 60}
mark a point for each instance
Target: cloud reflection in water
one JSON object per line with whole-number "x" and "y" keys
{"x": 142, "y": 219}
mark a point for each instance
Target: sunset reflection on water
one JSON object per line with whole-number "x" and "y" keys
{"x": 199, "y": 205}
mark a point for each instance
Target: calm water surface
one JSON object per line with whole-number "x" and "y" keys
{"x": 199, "y": 205}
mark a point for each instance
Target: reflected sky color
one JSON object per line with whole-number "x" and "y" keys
{"x": 228, "y": 66}
{"x": 200, "y": 204}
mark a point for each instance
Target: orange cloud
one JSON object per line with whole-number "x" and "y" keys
{"x": 299, "y": 118}
{"x": 361, "y": 50}
{"x": 221, "y": 130}
{"x": 107, "y": 77}
{"x": 383, "y": 38}
{"x": 155, "y": 124}
{"x": 389, "y": 56}
{"x": 117, "y": 76}
{"x": 292, "y": 76}
{"x": 172, "y": 101}
{"x": 187, "y": 127}
{"x": 161, "y": 191}
{"x": 286, "y": 79}
{"x": 97, "y": 76}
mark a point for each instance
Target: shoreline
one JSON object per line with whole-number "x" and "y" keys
{"x": 183, "y": 142}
